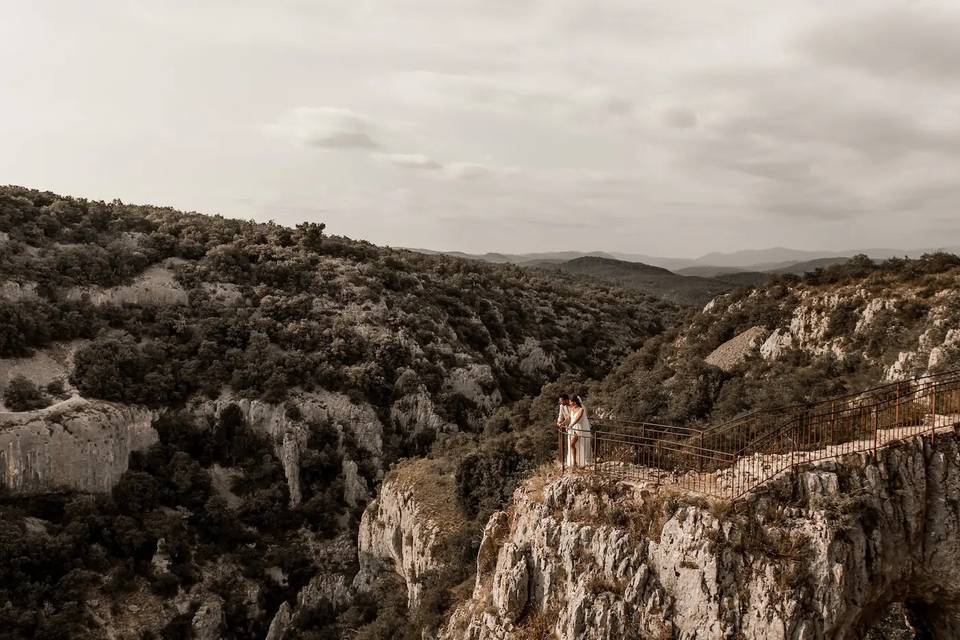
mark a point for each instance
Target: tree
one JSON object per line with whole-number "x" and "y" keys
{"x": 311, "y": 235}
{"x": 22, "y": 395}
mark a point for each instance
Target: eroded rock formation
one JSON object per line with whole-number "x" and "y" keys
{"x": 289, "y": 430}
{"x": 820, "y": 554}
{"x": 75, "y": 444}
{"x": 405, "y": 528}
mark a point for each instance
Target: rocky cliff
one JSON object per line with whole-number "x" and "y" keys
{"x": 288, "y": 426}
{"x": 821, "y": 554}
{"x": 404, "y": 530}
{"x": 904, "y": 328}
{"x": 76, "y": 444}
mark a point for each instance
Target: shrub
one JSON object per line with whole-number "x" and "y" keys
{"x": 22, "y": 395}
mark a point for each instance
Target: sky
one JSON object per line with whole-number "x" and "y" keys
{"x": 673, "y": 127}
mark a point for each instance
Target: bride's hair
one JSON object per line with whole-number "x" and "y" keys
{"x": 577, "y": 401}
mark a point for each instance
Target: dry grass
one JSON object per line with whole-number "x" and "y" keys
{"x": 435, "y": 489}
{"x": 537, "y": 625}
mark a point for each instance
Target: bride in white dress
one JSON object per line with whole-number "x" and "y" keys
{"x": 580, "y": 451}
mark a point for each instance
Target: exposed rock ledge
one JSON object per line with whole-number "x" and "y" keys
{"x": 290, "y": 432}
{"x": 822, "y": 554}
{"x": 404, "y": 530}
{"x": 76, "y": 444}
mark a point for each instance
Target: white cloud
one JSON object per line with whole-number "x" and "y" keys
{"x": 412, "y": 161}
{"x": 327, "y": 127}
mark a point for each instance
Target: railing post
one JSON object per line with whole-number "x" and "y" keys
{"x": 876, "y": 429}
{"x": 933, "y": 417}
{"x": 897, "y": 423}
{"x": 700, "y": 454}
{"x": 563, "y": 451}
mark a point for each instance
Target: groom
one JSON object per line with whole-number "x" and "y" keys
{"x": 563, "y": 418}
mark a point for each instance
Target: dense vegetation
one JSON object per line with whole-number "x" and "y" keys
{"x": 57, "y": 550}
{"x": 681, "y": 289}
{"x": 272, "y": 313}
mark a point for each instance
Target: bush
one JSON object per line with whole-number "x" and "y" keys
{"x": 22, "y": 395}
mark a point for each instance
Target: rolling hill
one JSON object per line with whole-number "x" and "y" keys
{"x": 657, "y": 281}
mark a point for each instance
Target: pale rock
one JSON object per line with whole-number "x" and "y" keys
{"x": 54, "y": 362}
{"x": 35, "y": 526}
{"x": 290, "y": 459}
{"x": 209, "y": 620}
{"x": 355, "y": 489}
{"x": 494, "y": 533}
{"x": 735, "y": 351}
{"x": 160, "y": 562}
{"x": 77, "y": 445}
{"x": 776, "y": 345}
{"x": 511, "y": 583}
{"x": 871, "y": 311}
{"x": 332, "y": 587}
{"x": 156, "y": 286}
{"x": 404, "y": 529}
{"x": 416, "y": 412}
{"x": 16, "y": 291}
{"x": 280, "y": 624}
{"x": 825, "y": 568}
{"x": 290, "y": 434}
{"x": 476, "y": 383}
{"x": 902, "y": 367}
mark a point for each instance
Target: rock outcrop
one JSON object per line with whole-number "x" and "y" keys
{"x": 733, "y": 352}
{"x": 16, "y": 291}
{"x": 76, "y": 444}
{"x": 405, "y": 528}
{"x": 821, "y": 554}
{"x": 290, "y": 430}
{"x": 156, "y": 286}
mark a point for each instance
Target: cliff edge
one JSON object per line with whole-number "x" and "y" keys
{"x": 823, "y": 553}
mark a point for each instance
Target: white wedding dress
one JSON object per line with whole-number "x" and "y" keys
{"x": 584, "y": 443}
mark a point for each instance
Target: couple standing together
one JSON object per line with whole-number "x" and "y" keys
{"x": 573, "y": 421}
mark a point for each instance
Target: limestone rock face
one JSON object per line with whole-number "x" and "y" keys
{"x": 355, "y": 489}
{"x": 17, "y": 291}
{"x": 404, "y": 529}
{"x": 76, "y": 444}
{"x": 511, "y": 582}
{"x": 154, "y": 287}
{"x": 208, "y": 621}
{"x": 819, "y": 555}
{"x": 733, "y": 352}
{"x": 290, "y": 433}
{"x": 281, "y": 623}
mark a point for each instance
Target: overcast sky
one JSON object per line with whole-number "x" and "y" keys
{"x": 674, "y": 127}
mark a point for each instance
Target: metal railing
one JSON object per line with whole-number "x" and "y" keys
{"x": 734, "y": 458}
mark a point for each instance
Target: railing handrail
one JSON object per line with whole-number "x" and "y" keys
{"x": 733, "y": 422}
{"x": 753, "y": 450}
{"x": 783, "y": 428}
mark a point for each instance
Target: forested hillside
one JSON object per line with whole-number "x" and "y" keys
{"x": 796, "y": 339}
{"x": 226, "y": 329}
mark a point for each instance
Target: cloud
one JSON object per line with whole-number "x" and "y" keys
{"x": 552, "y": 96}
{"x": 412, "y": 161}
{"x": 680, "y": 118}
{"x": 467, "y": 170}
{"x": 327, "y": 127}
{"x": 918, "y": 41}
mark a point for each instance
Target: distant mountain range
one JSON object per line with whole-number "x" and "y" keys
{"x": 771, "y": 259}
{"x": 683, "y": 280}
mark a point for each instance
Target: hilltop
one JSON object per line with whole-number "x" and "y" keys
{"x": 656, "y": 281}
